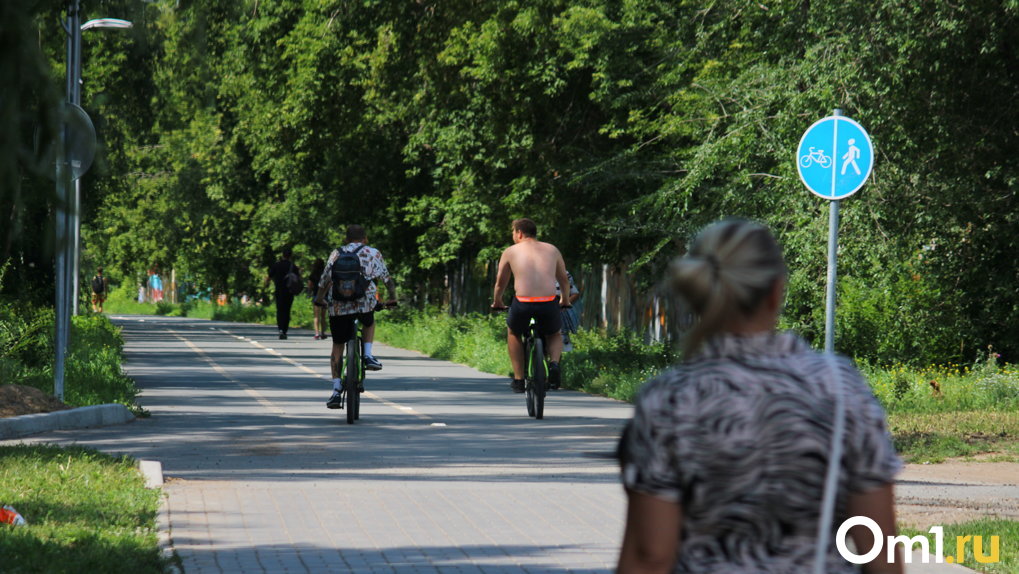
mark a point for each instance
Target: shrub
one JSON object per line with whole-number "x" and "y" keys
{"x": 239, "y": 313}
{"x": 92, "y": 366}
{"x": 903, "y": 319}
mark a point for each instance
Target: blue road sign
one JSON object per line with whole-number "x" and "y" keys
{"x": 835, "y": 157}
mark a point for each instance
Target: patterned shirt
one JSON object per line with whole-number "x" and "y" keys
{"x": 372, "y": 266}
{"x": 740, "y": 437}
{"x": 573, "y": 286}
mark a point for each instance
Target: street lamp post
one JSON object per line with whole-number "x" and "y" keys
{"x": 68, "y": 206}
{"x": 76, "y": 212}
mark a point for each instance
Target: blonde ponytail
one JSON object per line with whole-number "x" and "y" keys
{"x": 728, "y": 271}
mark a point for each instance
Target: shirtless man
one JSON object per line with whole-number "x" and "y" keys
{"x": 535, "y": 267}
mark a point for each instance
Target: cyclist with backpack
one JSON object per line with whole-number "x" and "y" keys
{"x": 348, "y": 288}
{"x": 100, "y": 285}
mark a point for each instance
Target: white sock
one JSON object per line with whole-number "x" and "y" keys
{"x": 368, "y": 349}
{"x": 337, "y": 384}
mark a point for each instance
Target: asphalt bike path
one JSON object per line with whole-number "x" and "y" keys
{"x": 444, "y": 471}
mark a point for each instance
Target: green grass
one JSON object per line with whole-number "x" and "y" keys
{"x": 986, "y": 385}
{"x": 86, "y": 512}
{"x": 475, "y": 340}
{"x": 951, "y": 411}
{"x": 991, "y": 435}
{"x": 1007, "y": 532}
{"x": 613, "y": 366}
{"x": 122, "y": 302}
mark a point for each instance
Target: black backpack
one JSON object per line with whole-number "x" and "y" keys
{"x": 98, "y": 285}
{"x": 349, "y": 283}
{"x": 293, "y": 281}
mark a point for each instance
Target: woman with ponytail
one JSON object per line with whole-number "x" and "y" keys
{"x": 725, "y": 460}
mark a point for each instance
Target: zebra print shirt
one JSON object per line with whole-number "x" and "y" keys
{"x": 740, "y": 437}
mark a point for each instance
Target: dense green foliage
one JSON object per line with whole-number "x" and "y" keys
{"x": 28, "y": 112}
{"x": 86, "y": 512}
{"x": 231, "y": 128}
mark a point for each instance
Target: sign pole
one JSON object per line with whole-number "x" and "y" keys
{"x": 833, "y": 247}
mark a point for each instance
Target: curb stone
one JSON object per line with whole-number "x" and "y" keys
{"x": 152, "y": 470}
{"x": 79, "y": 418}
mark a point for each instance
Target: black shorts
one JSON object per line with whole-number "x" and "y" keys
{"x": 342, "y": 326}
{"x": 546, "y": 315}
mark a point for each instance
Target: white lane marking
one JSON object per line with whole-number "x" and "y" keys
{"x": 266, "y": 403}
{"x": 369, "y": 394}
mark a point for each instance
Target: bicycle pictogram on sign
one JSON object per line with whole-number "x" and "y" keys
{"x": 815, "y": 156}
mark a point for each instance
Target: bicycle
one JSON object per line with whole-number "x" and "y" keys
{"x": 535, "y": 369}
{"x": 353, "y": 370}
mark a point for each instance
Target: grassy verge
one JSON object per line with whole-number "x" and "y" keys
{"x": 970, "y": 412}
{"x": 122, "y": 302}
{"x": 1004, "y": 561}
{"x": 991, "y": 435}
{"x": 86, "y": 512}
{"x": 613, "y": 366}
{"x": 470, "y": 340}
{"x": 951, "y": 411}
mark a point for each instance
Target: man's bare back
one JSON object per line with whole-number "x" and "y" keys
{"x": 534, "y": 265}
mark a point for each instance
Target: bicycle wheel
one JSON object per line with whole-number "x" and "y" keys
{"x": 360, "y": 377}
{"x": 351, "y": 379}
{"x": 529, "y": 376}
{"x": 539, "y": 383}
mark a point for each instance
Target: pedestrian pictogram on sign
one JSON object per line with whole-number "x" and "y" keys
{"x": 835, "y": 157}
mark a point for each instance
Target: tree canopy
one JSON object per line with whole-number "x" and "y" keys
{"x": 231, "y": 128}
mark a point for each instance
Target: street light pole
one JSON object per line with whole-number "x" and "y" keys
{"x": 76, "y": 99}
{"x": 68, "y": 205}
{"x": 65, "y": 206}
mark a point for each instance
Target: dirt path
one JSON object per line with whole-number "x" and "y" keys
{"x": 950, "y": 492}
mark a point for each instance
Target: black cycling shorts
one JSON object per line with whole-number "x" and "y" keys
{"x": 546, "y": 315}
{"x": 342, "y": 326}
